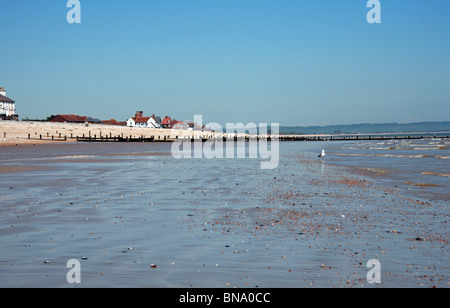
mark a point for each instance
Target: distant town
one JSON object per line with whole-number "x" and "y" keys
{"x": 8, "y": 113}
{"x": 139, "y": 120}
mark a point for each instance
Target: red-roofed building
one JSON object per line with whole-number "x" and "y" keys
{"x": 179, "y": 125}
{"x": 167, "y": 122}
{"x": 69, "y": 118}
{"x": 114, "y": 122}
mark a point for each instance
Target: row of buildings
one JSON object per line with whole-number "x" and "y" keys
{"x": 156, "y": 122}
{"x": 8, "y": 112}
{"x": 139, "y": 120}
{"x": 72, "y": 118}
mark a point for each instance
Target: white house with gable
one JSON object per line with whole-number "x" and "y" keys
{"x": 144, "y": 122}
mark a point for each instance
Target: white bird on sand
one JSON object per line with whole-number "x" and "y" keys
{"x": 322, "y": 155}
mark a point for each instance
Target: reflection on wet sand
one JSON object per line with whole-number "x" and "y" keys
{"x": 436, "y": 173}
{"x": 19, "y": 169}
{"x": 371, "y": 171}
{"x": 424, "y": 184}
{"x": 140, "y": 154}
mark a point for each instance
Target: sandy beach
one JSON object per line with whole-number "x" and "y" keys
{"x": 23, "y": 133}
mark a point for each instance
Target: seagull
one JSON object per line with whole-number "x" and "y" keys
{"x": 322, "y": 155}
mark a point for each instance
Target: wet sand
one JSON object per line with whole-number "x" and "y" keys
{"x": 210, "y": 223}
{"x": 419, "y": 164}
{"x": 18, "y": 169}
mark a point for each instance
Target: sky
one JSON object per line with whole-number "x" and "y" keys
{"x": 292, "y": 62}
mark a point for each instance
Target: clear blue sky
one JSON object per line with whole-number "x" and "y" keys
{"x": 294, "y": 62}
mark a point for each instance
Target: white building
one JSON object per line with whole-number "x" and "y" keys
{"x": 7, "y": 107}
{"x": 180, "y": 125}
{"x": 143, "y": 122}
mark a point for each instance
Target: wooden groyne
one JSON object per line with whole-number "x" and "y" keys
{"x": 363, "y": 137}
{"x": 268, "y": 138}
{"x": 118, "y": 139}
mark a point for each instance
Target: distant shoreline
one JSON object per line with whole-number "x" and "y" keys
{"x": 370, "y": 128}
